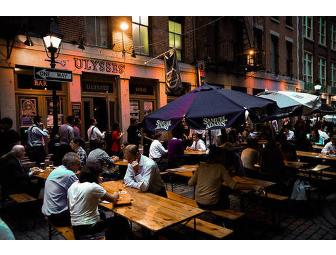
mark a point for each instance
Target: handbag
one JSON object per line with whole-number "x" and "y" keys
{"x": 299, "y": 190}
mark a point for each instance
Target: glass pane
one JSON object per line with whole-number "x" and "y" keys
{"x": 144, "y": 20}
{"x": 136, "y": 19}
{"x": 103, "y": 31}
{"x": 171, "y": 40}
{"x": 179, "y": 55}
{"x": 136, "y": 37}
{"x": 171, "y": 26}
{"x": 90, "y": 30}
{"x": 144, "y": 39}
{"x": 178, "y": 28}
{"x": 178, "y": 43}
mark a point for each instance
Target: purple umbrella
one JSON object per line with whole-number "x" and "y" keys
{"x": 208, "y": 107}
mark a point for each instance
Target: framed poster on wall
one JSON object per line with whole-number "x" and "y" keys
{"x": 76, "y": 109}
{"x": 28, "y": 110}
{"x": 135, "y": 109}
{"x": 148, "y": 107}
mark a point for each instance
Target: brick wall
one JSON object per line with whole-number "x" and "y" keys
{"x": 159, "y": 35}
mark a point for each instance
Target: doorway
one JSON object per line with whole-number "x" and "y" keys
{"x": 102, "y": 110}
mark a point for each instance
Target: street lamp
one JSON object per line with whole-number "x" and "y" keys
{"x": 52, "y": 44}
{"x": 123, "y": 27}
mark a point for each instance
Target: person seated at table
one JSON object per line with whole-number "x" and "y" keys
{"x": 14, "y": 177}
{"x": 55, "y": 203}
{"x": 272, "y": 164}
{"x": 289, "y": 133}
{"x": 250, "y": 156}
{"x": 330, "y": 148}
{"x": 120, "y": 155}
{"x": 84, "y": 196}
{"x": 287, "y": 148}
{"x": 76, "y": 145}
{"x": 175, "y": 149}
{"x": 142, "y": 172}
{"x": 157, "y": 152}
{"x": 198, "y": 144}
{"x": 105, "y": 160}
{"x": 208, "y": 180}
{"x": 232, "y": 159}
{"x": 315, "y": 138}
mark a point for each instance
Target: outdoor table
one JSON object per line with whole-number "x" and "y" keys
{"x": 295, "y": 164}
{"x": 317, "y": 147}
{"x": 44, "y": 173}
{"x": 253, "y": 181}
{"x": 151, "y": 211}
{"x": 194, "y": 152}
{"x": 315, "y": 155}
{"x": 121, "y": 162}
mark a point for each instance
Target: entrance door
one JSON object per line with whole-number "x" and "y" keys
{"x": 96, "y": 107}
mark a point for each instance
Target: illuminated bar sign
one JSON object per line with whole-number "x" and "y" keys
{"x": 103, "y": 66}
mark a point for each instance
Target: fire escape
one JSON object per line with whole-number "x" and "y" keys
{"x": 247, "y": 52}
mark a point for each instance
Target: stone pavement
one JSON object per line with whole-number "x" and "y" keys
{"x": 316, "y": 220}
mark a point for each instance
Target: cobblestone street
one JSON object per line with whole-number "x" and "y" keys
{"x": 315, "y": 221}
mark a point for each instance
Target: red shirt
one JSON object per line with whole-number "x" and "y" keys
{"x": 115, "y": 141}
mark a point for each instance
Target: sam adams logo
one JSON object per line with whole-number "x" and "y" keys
{"x": 215, "y": 122}
{"x": 163, "y": 124}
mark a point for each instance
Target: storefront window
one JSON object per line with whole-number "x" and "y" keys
{"x": 140, "y": 34}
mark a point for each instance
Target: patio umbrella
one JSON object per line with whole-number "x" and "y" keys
{"x": 208, "y": 107}
{"x": 286, "y": 99}
{"x": 291, "y": 103}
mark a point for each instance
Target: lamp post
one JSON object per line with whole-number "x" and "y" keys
{"x": 317, "y": 88}
{"x": 52, "y": 42}
{"x": 123, "y": 27}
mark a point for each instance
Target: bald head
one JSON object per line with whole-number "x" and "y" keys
{"x": 131, "y": 152}
{"x": 19, "y": 151}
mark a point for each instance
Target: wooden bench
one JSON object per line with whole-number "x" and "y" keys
{"x": 66, "y": 232}
{"x": 225, "y": 213}
{"x": 228, "y": 214}
{"x": 209, "y": 228}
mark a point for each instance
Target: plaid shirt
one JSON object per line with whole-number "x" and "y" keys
{"x": 82, "y": 156}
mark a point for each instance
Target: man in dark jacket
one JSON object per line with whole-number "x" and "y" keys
{"x": 14, "y": 178}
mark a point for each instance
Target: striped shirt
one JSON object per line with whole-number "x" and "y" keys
{"x": 36, "y": 136}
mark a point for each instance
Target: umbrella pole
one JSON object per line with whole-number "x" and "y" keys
{"x": 209, "y": 134}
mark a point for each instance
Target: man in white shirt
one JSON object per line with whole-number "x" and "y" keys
{"x": 142, "y": 172}
{"x": 289, "y": 133}
{"x": 94, "y": 133}
{"x": 330, "y": 148}
{"x": 197, "y": 144}
{"x": 323, "y": 134}
{"x": 156, "y": 150}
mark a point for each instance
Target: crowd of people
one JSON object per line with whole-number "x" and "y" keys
{"x": 71, "y": 193}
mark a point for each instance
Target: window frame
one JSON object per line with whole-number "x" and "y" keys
{"x": 322, "y": 32}
{"x": 307, "y": 28}
{"x": 305, "y": 67}
{"x": 180, "y": 50}
{"x": 98, "y": 37}
{"x": 323, "y": 80}
{"x": 333, "y": 74}
{"x": 141, "y": 25}
{"x": 333, "y": 37}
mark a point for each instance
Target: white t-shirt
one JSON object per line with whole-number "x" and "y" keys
{"x": 83, "y": 202}
{"x": 156, "y": 150}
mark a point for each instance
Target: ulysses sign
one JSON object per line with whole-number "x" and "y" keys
{"x": 97, "y": 65}
{"x": 47, "y": 74}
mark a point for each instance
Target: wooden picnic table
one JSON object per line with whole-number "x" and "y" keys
{"x": 295, "y": 164}
{"x": 253, "y": 181}
{"x": 121, "y": 162}
{"x": 315, "y": 155}
{"x": 44, "y": 173}
{"x": 317, "y": 147}
{"x": 151, "y": 211}
{"x": 194, "y": 152}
